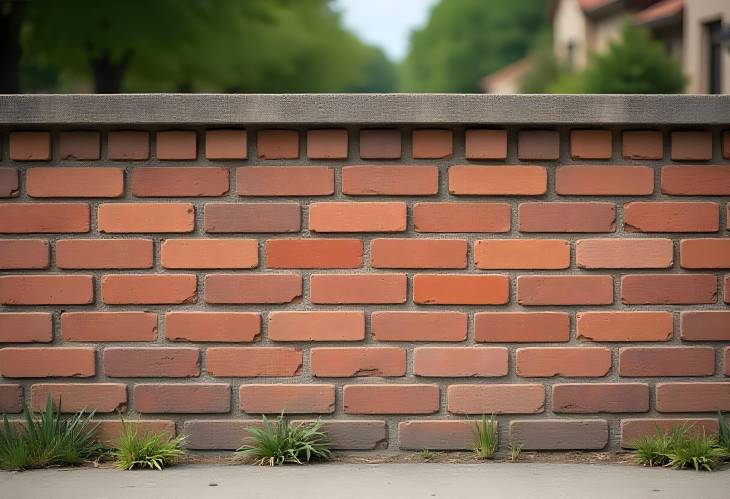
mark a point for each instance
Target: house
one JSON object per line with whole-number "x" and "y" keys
{"x": 697, "y": 32}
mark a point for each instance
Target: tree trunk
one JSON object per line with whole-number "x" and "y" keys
{"x": 11, "y": 20}
{"x": 108, "y": 76}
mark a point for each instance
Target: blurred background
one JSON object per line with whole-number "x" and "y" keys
{"x": 285, "y": 46}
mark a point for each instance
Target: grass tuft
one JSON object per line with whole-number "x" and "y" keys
{"x": 680, "y": 448}
{"x": 278, "y": 442}
{"x": 723, "y": 436}
{"x": 149, "y": 450}
{"x": 486, "y": 437}
{"x": 515, "y": 451}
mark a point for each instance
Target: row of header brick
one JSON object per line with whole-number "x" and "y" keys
{"x": 332, "y": 144}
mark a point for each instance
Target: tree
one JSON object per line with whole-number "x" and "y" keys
{"x": 464, "y": 40}
{"x": 12, "y": 13}
{"x": 380, "y": 74}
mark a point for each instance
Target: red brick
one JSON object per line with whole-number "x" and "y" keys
{"x": 253, "y": 217}
{"x": 316, "y": 326}
{"x": 358, "y": 288}
{"x": 9, "y": 186}
{"x": 98, "y": 397}
{"x": 225, "y": 144}
{"x": 726, "y": 145}
{"x": 81, "y": 145}
{"x": 109, "y": 431}
{"x": 591, "y": 144}
{"x": 671, "y": 217}
{"x": 185, "y": 398}
{"x": 327, "y": 144}
{"x": 666, "y": 361}
{"x": 253, "y": 362}
{"x": 146, "y": 217}
{"x": 285, "y": 181}
{"x": 418, "y": 253}
{"x": 696, "y": 180}
{"x": 252, "y": 288}
{"x": 691, "y": 145}
{"x": 30, "y": 146}
{"x": 567, "y": 362}
{"x": 633, "y": 429}
{"x": 24, "y": 254}
{"x": 11, "y": 398}
{"x": 46, "y": 289}
{"x": 128, "y": 145}
{"x": 61, "y": 182}
{"x": 47, "y": 362}
{"x": 186, "y": 181}
{"x": 462, "y": 362}
{"x": 455, "y": 289}
{"x": 678, "y": 289}
{"x": 351, "y": 434}
{"x": 104, "y": 254}
{"x": 212, "y": 326}
{"x": 410, "y": 180}
{"x": 313, "y": 253}
{"x": 559, "y": 434}
{"x": 418, "y": 326}
{"x": 25, "y": 218}
{"x": 218, "y": 434}
{"x": 567, "y": 217}
{"x": 364, "y": 361}
{"x": 33, "y": 327}
{"x": 357, "y": 217}
{"x": 177, "y": 145}
{"x": 277, "y": 144}
{"x": 108, "y": 326}
{"x": 287, "y": 399}
{"x": 461, "y": 217}
{"x": 521, "y": 327}
{"x": 642, "y": 144}
{"x": 155, "y": 362}
{"x": 704, "y": 253}
{"x": 612, "y": 180}
{"x": 538, "y": 144}
{"x": 485, "y": 144}
{"x": 624, "y": 253}
{"x": 706, "y": 325}
{"x": 121, "y": 289}
{"x": 522, "y": 254}
{"x": 692, "y": 397}
{"x": 391, "y": 399}
{"x": 624, "y": 326}
{"x": 583, "y": 398}
{"x": 497, "y": 180}
{"x": 380, "y": 144}
{"x": 209, "y": 253}
{"x": 496, "y": 399}
{"x": 565, "y": 290}
{"x": 436, "y": 435}
{"x": 432, "y": 143}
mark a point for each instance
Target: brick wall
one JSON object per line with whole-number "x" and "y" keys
{"x": 395, "y": 280}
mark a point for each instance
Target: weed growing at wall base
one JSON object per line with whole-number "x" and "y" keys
{"x": 680, "y": 448}
{"x": 278, "y": 442}
{"x": 487, "y": 439}
{"x": 149, "y": 450}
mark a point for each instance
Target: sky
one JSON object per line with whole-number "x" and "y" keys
{"x": 385, "y": 23}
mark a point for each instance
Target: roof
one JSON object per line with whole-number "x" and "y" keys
{"x": 515, "y": 70}
{"x": 662, "y": 13}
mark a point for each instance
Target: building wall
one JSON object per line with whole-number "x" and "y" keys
{"x": 397, "y": 280}
{"x": 696, "y": 14}
{"x": 570, "y": 27}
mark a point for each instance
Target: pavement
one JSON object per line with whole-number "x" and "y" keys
{"x": 366, "y": 481}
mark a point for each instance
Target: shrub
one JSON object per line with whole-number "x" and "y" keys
{"x": 486, "y": 437}
{"x": 48, "y": 439}
{"x": 279, "y": 442}
{"x": 149, "y": 450}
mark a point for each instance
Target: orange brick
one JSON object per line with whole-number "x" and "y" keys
{"x": 212, "y": 326}
{"x": 613, "y": 180}
{"x": 108, "y": 326}
{"x": 593, "y": 398}
{"x": 380, "y": 144}
{"x": 62, "y": 182}
{"x": 485, "y": 144}
{"x": 327, "y": 144}
{"x": 432, "y": 144}
{"x": 30, "y": 146}
{"x": 252, "y": 288}
{"x": 705, "y": 325}
{"x": 122, "y": 289}
{"x": 156, "y": 362}
{"x": 538, "y": 144}
{"x": 565, "y": 290}
{"x": 418, "y": 253}
{"x": 691, "y": 145}
{"x": 704, "y": 253}
{"x": 666, "y": 361}
{"x": 496, "y": 399}
{"x": 671, "y": 217}
{"x": 128, "y": 145}
{"x": 185, "y": 181}
{"x": 567, "y": 217}
{"x": 98, "y": 397}
{"x": 252, "y": 217}
{"x": 225, "y": 144}
{"x": 391, "y": 399}
{"x": 34, "y": 327}
{"x": 253, "y": 362}
{"x": 454, "y": 289}
{"x": 104, "y": 253}
{"x": 146, "y": 217}
{"x": 341, "y": 362}
{"x": 624, "y": 326}
{"x": 287, "y": 399}
{"x": 411, "y": 180}
{"x": 47, "y": 362}
{"x": 358, "y": 288}
{"x": 696, "y": 180}
{"x": 568, "y": 362}
{"x": 642, "y": 144}
{"x": 624, "y": 253}
{"x": 449, "y": 362}
{"x": 209, "y": 253}
{"x": 522, "y": 254}
{"x": 357, "y": 217}
{"x": 316, "y": 326}
{"x": 185, "y": 398}
{"x": 285, "y": 181}
{"x": 591, "y": 144}
{"x": 521, "y": 327}
{"x": 25, "y": 218}
{"x": 109, "y": 431}
{"x": 497, "y": 180}
{"x": 313, "y": 253}
{"x": 24, "y": 254}
{"x": 461, "y": 217}
{"x": 9, "y": 185}
{"x": 277, "y": 144}
{"x": 418, "y": 326}
{"x": 46, "y": 289}
{"x": 684, "y": 289}
{"x": 692, "y": 397}
{"x": 177, "y": 145}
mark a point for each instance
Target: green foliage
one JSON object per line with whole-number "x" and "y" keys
{"x": 723, "y": 437}
{"x": 426, "y": 454}
{"x": 486, "y": 437}
{"x": 680, "y": 448}
{"x": 47, "y": 439}
{"x": 149, "y": 450}
{"x": 279, "y": 442}
{"x": 515, "y": 451}
{"x": 546, "y": 68}
{"x": 652, "y": 450}
{"x": 464, "y": 40}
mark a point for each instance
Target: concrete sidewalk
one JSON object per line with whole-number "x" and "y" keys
{"x": 358, "y": 481}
